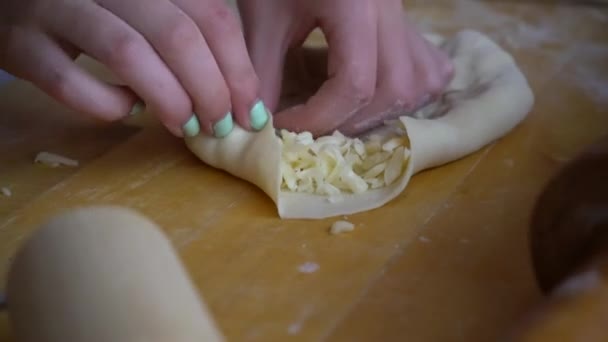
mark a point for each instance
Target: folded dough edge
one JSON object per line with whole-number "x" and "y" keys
{"x": 487, "y": 98}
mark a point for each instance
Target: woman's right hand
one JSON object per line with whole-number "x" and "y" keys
{"x": 178, "y": 56}
{"x": 379, "y": 65}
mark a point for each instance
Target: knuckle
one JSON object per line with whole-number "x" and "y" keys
{"x": 402, "y": 92}
{"x": 221, "y": 12}
{"x": 361, "y": 89}
{"x": 244, "y": 85}
{"x": 57, "y": 84}
{"x": 122, "y": 49}
{"x": 179, "y": 33}
{"x": 221, "y": 19}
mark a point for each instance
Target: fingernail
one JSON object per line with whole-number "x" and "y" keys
{"x": 258, "y": 116}
{"x": 223, "y": 127}
{"x": 138, "y": 107}
{"x": 192, "y": 127}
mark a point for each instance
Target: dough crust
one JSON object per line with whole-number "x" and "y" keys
{"x": 487, "y": 98}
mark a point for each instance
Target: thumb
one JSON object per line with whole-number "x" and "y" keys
{"x": 351, "y": 69}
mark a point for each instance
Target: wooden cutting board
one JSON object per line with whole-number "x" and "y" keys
{"x": 446, "y": 260}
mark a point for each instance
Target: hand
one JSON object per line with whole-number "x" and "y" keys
{"x": 178, "y": 56}
{"x": 379, "y": 66}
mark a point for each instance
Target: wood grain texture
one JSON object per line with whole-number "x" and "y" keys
{"x": 447, "y": 260}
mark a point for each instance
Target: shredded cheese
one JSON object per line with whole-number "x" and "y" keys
{"x": 340, "y": 227}
{"x": 54, "y": 160}
{"x": 6, "y": 192}
{"x": 335, "y": 164}
{"x": 308, "y": 267}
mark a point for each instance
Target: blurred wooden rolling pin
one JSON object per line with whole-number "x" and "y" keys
{"x": 569, "y": 245}
{"x": 104, "y": 274}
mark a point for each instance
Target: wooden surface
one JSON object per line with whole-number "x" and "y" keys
{"x": 447, "y": 260}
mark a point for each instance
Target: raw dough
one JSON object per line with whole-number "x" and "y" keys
{"x": 487, "y": 98}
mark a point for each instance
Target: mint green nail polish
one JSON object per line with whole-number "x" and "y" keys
{"x": 192, "y": 127}
{"x": 258, "y": 116}
{"x": 223, "y": 127}
{"x": 137, "y": 108}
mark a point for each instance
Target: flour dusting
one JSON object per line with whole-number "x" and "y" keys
{"x": 153, "y": 171}
{"x": 552, "y": 35}
{"x": 589, "y": 75}
{"x": 182, "y": 237}
{"x": 510, "y": 30}
{"x": 295, "y": 327}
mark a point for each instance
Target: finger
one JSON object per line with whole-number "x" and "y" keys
{"x": 431, "y": 81}
{"x": 44, "y": 63}
{"x": 352, "y": 63}
{"x": 180, "y": 43}
{"x": 107, "y": 38}
{"x": 398, "y": 88}
{"x": 267, "y": 45}
{"x": 435, "y": 70}
{"x": 222, "y": 31}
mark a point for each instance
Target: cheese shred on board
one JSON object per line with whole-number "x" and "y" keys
{"x": 6, "y": 191}
{"x": 54, "y": 160}
{"x": 340, "y": 227}
{"x": 335, "y": 164}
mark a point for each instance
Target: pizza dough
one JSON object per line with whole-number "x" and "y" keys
{"x": 487, "y": 98}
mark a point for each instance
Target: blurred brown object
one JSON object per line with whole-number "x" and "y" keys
{"x": 569, "y": 226}
{"x": 569, "y": 246}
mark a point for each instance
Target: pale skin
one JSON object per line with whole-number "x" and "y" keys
{"x": 190, "y": 61}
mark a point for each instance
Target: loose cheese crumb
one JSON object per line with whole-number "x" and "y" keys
{"x": 54, "y": 160}
{"x": 341, "y": 227}
{"x": 335, "y": 164}
{"x": 6, "y": 192}
{"x": 294, "y": 328}
{"x": 308, "y": 267}
{"x": 424, "y": 239}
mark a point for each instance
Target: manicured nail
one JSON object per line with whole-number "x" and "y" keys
{"x": 223, "y": 127}
{"x": 258, "y": 116}
{"x": 192, "y": 127}
{"x": 137, "y": 108}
